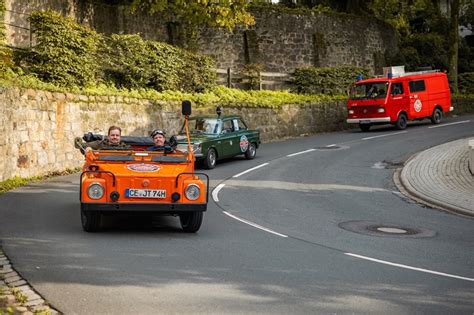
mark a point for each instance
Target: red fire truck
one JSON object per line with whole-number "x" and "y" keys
{"x": 397, "y": 97}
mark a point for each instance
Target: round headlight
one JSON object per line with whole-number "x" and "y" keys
{"x": 192, "y": 192}
{"x": 95, "y": 191}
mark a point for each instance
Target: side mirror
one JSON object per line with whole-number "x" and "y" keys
{"x": 186, "y": 108}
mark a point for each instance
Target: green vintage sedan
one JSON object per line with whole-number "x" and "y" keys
{"x": 218, "y": 137}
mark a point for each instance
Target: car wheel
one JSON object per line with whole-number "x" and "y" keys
{"x": 364, "y": 127}
{"x": 211, "y": 159}
{"x": 191, "y": 222}
{"x": 401, "y": 122}
{"x": 90, "y": 221}
{"x": 251, "y": 151}
{"x": 437, "y": 116}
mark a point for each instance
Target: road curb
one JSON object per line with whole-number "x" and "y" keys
{"x": 409, "y": 191}
{"x": 17, "y": 296}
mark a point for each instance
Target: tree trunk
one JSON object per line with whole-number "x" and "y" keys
{"x": 453, "y": 42}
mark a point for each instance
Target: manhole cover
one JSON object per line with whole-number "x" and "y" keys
{"x": 391, "y": 230}
{"x": 331, "y": 147}
{"x": 378, "y": 229}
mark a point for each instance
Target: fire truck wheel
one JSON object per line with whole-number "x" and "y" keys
{"x": 211, "y": 159}
{"x": 437, "y": 116}
{"x": 90, "y": 221}
{"x": 401, "y": 122}
{"x": 364, "y": 127}
{"x": 191, "y": 222}
{"x": 251, "y": 151}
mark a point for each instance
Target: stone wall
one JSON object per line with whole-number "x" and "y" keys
{"x": 280, "y": 42}
{"x": 38, "y": 128}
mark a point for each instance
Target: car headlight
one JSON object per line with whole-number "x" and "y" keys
{"x": 184, "y": 148}
{"x": 381, "y": 110}
{"x": 197, "y": 148}
{"x": 192, "y": 192}
{"x": 351, "y": 111}
{"x": 95, "y": 191}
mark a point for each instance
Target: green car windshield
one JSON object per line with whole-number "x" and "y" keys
{"x": 207, "y": 126}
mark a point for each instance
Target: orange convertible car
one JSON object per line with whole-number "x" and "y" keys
{"x": 136, "y": 181}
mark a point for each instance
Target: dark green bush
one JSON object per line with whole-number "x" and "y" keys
{"x": 65, "y": 52}
{"x": 466, "y": 83}
{"x": 331, "y": 81}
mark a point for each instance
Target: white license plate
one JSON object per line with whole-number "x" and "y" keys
{"x": 145, "y": 193}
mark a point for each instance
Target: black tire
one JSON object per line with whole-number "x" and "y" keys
{"x": 364, "y": 127}
{"x": 251, "y": 151}
{"x": 401, "y": 121}
{"x": 90, "y": 221}
{"x": 437, "y": 116}
{"x": 211, "y": 159}
{"x": 191, "y": 222}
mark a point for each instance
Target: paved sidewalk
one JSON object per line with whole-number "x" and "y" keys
{"x": 440, "y": 177}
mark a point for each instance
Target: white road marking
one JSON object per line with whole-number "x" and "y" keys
{"x": 254, "y": 224}
{"x": 332, "y": 145}
{"x": 385, "y": 135}
{"x": 301, "y": 152}
{"x": 249, "y": 170}
{"x": 450, "y": 124}
{"x": 215, "y": 192}
{"x": 409, "y": 267}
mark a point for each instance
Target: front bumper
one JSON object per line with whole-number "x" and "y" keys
{"x": 161, "y": 208}
{"x": 368, "y": 120}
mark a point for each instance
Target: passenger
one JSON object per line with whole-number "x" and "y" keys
{"x": 159, "y": 138}
{"x": 111, "y": 142}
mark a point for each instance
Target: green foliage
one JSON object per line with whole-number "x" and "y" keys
{"x": 251, "y": 73}
{"x": 65, "y": 52}
{"x": 70, "y": 55}
{"x": 466, "y": 83}
{"x": 5, "y": 52}
{"x": 131, "y": 62}
{"x": 225, "y": 14}
{"x": 333, "y": 81}
{"x": 13, "y": 183}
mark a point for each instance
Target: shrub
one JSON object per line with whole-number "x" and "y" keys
{"x": 71, "y": 55}
{"x": 65, "y": 52}
{"x": 331, "y": 81}
{"x": 466, "y": 83}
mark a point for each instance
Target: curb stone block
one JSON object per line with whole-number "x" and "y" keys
{"x": 35, "y": 302}
{"x": 18, "y": 283}
{"x": 12, "y": 279}
{"x": 7, "y": 300}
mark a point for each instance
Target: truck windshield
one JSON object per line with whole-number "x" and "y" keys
{"x": 369, "y": 90}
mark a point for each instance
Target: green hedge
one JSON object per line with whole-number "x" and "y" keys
{"x": 71, "y": 55}
{"x": 65, "y": 52}
{"x": 466, "y": 83}
{"x": 332, "y": 81}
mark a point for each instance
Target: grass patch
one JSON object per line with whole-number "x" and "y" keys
{"x": 17, "y": 181}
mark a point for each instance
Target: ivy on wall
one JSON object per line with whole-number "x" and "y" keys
{"x": 333, "y": 81}
{"x": 71, "y": 55}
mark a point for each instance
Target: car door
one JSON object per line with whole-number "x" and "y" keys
{"x": 419, "y": 106}
{"x": 229, "y": 139}
{"x": 242, "y": 134}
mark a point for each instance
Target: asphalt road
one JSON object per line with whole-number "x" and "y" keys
{"x": 294, "y": 236}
